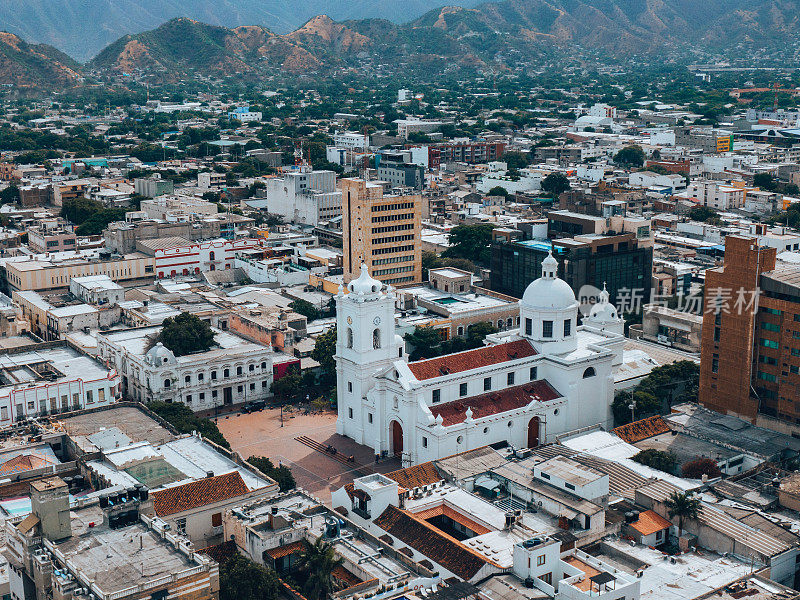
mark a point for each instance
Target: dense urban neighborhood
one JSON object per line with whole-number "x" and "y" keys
{"x": 491, "y": 302}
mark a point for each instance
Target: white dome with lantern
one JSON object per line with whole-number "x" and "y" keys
{"x": 549, "y": 311}
{"x": 604, "y": 315}
{"x": 549, "y": 292}
{"x": 365, "y": 284}
{"x": 159, "y": 355}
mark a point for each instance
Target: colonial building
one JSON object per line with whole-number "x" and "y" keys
{"x": 527, "y": 386}
{"x": 232, "y": 372}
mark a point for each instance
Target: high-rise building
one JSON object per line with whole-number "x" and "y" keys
{"x": 304, "y": 196}
{"x": 750, "y": 357}
{"x": 381, "y": 231}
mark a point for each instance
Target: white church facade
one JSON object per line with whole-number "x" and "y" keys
{"x": 525, "y": 387}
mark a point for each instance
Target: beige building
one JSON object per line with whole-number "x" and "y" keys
{"x": 381, "y": 231}
{"x": 55, "y": 273}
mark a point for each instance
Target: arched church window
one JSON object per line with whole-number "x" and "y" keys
{"x": 590, "y": 372}
{"x": 349, "y": 338}
{"x": 376, "y": 339}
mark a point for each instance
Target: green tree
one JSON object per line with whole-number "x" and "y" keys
{"x": 183, "y": 419}
{"x": 185, "y": 334}
{"x": 695, "y": 469}
{"x": 289, "y": 388}
{"x": 657, "y": 459}
{"x": 555, "y": 183}
{"x": 425, "y": 341}
{"x": 316, "y": 564}
{"x": 630, "y": 156}
{"x": 704, "y": 214}
{"x": 516, "y": 160}
{"x": 305, "y": 308}
{"x": 323, "y": 353}
{"x": 472, "y": 242}
{"x": 477, "y": 332}
{"x": 764, "y": 181}
{"x": 682, "y": 505}
{"x": 282, "y": 474}
{"x": 242, "y": 579}
{"x": 79, "y": 210}
{"x": 498, "y": 190}
{"x": 9, "y": 194}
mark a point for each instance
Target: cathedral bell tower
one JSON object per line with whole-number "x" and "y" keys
{"x": 366, "y": 343}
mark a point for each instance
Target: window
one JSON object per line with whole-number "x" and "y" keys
{"x": 545, "y": 476}
{"x": 187, "y": 379}
{"x": 510, "y": 379}
{"x": 436, "y": 396}
{"x": 226, "y": 373}
{"x": 534, "y": 373}
{"x": 213, "y": 393}
{"x": 376, "y": 339}
{"x": 349, "y": 338}
{"x": 189, "y": 398}
{"x": 238, "y": 370}
{"x": 794, "y": 369}
{"x": 101, "y": 395}
{"x": 766, "y": 360}
{"x": 569, "y": 486}
{"x": 216, "y": 520}
{"x": 167, "y": 383}
{"x": 350, "y": 413}
{"x": 90, "y": 397}
{"x": 766, "y": 376}
{"x": 715, "y": 363}
{"x": 263, "y": 365}
{"x": 770, "y": 344}
{"x": 547, "y": 329}
{"x": 180, "y": 526}
{"x": 200, "y": 377}
{"x": 252, "y": 368}
{"x": 369, "y": 417}
{"x": 252, "y": 387}
{"x": 213, "y": 375}
{"x": 567, "y": 327}
{"x": 4, "y": 413}
{"x": 770, "y": 326}
{"x": 350, "y": 386}
{"x": 424, "y": 442}
{"x": 716, "y": 334}
{"x": 462, "y": 389}
{"x": 528, "y": 327}
{"x": 540, "y": 560}
{"x": 590, "y": 372}
{"x": 239, "y": 389}
{"x": 202, "y": 395}
{"x": 487, "y": 384}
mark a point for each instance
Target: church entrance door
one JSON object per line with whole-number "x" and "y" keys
{"x": 533, "y": 432}
{"x": 397, "y": 438}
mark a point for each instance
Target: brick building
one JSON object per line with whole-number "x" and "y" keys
{"x": 750, "y": 358}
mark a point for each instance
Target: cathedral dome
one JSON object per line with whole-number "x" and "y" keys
{"x": 160, "y": 355}
{"x": 365, "y": 284}
{"x": 603, "y": 310}
{"x": 549, "y": 292}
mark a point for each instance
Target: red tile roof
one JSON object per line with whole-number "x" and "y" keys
{"x": 411, "y": 477}
{"x": 198, "y": 493}
{"x": 493, "y": 403}
{"x": 281, "y": 551}
{"x": 23, "y": 462}
{"x": 447, "y": 511}
{"x": 650, "y": 522}
{"x": 471, "y": 359}
{"x": 430, "y": 541}
{"x": 641, "y": 430}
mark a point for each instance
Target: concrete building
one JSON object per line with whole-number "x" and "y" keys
{"x": 350, "y": 140}
{"x": 121, "y": 236}
{"x": 381, "y": 231}
{"x": 210, "y": 179}
{"x": 153, "y": 186}
{"x": 177, "y": 256}
{"x": 714, "y": 194}
{"x": 234, "y": 371}
{"x": 177, "y": 208}
{"x": 672, "y": 327}
{"x": 54, "y": 273}
{"x": 304, "y": 196}
{"x": 55, "y": 551}
{"x": 405, "y": 127}
{"x": 55, "y": 316}
{"x": 750, "y": 359}
{"x": 71, "y": 189}
{"x": 398, "y": 170}
{"x": 52, "y": 236}
{"x": 43, "y": 379}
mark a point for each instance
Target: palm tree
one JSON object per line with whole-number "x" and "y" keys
{"x": 683, "y": 505}
{"x": 317, "y": 562}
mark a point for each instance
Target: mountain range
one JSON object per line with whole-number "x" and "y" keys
{"x": 489, "y": 33}
{"x": 82, "y": 28}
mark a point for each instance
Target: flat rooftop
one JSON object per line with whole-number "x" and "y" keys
{"x": 130, "y": 420}
{"x": 118, "y": 559}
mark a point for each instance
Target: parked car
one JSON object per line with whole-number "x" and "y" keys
{"x": 255, "y": 405}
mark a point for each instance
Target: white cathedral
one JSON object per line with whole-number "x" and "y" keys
{"x": 525, "y": 387}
